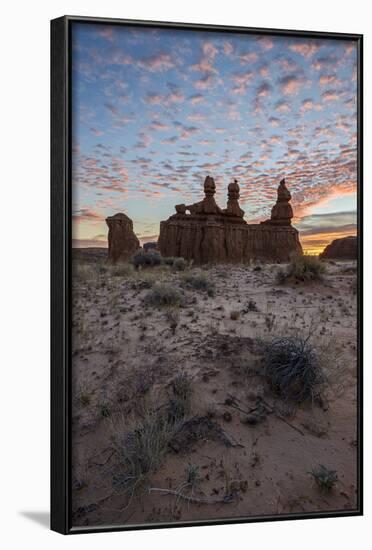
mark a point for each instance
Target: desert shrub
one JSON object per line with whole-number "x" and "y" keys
{"x": 105, "y": 410}
{"x": 293, "y": 368}
{"x": 163, "y": 294}
{"x": 281, "y": 276}
{"x": 177, "y": 263}
{"x": 169, "y": 260}
{"x": 199, "y": 281}
{"x": 303, "y": 268}
{"x": 146, "y": 259}
{"x": 180, "y": 264}
{"x": 252, "y": 306}
{"x": 324, "y": 478}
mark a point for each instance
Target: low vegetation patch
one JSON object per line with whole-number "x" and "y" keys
{"x": 324, "y": 478}
{"x": 84, "y": 272}
{"x": 302, "y": 269}
{"x": 199, "y": 281}
{"x": 143, "y": 450}
{"x": 293, "y": 369}
{"x": 180, "y": 264}
{"x": 163, "y": 294}
{"x": 146, "y": 259}
{"x": 121, "y": 269}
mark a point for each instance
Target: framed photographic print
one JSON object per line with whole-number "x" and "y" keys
{"x": 206, "y": 274}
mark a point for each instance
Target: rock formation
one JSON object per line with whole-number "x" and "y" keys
{"x": 212, "y": 235}
{"x": 122, "y": 241}
{"x": 207, "y": 206}
{"x": 281, "y": 212}
{"x": 345, "y": 248}
{"x": 233, "y": 208}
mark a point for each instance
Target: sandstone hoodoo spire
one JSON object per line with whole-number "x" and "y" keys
{"x": 233, "y": 208}
{"x": 207, "y": 206}
{"x": 122, "y": 241}
{"x": 209, "y": 234}
{"x": 281, "y": 212}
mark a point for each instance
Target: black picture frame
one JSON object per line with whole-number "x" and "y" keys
{"x": 61, "y": 244}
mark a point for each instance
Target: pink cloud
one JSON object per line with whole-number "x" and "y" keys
{"x": 265, "y": 42}
{"x": 204, "y": 83}
{"x": 158, "y": 126}
{"x": 326, "y": 80}
{"x": 306, "y": 49}
{"x": 87, "y": 215}
{"x": 205, "y": 64}
{"x": 196, "y": 117}
{"x": 241, "y": 81}
{"x": 96, "y": 132}
{"x": 106, "y": 32}
{"x": 196, "y": 98}
{"x": 249, "y": 57}
{"x": 160, "y": 62}
{"x": 282, "y": 107}
{"x": 330, "y": 95}
{"x": 291, "y": 84}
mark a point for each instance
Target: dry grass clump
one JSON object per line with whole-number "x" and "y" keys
{"x": 303, "y": 269}
{"x": 180, "y": 264}
{"x": 293, "y": 368}
{"x": 143, "y": 450}
{"x": 163, "y": 294}
{"x": 83, "y": 272}
{"x": 324, "y": 478}
{"x": 180, "y": 402}
{"x": 173, "y": 318}
{"x": 121, "y": 269}
{"x": 199, "y": 281}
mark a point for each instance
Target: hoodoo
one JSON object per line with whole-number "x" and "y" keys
{"x": 122, "y": 241}
{"x": 209, "y": 234}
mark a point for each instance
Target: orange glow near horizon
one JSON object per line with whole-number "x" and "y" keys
{"x": 315, "y": 244}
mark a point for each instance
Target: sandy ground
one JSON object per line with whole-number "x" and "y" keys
{"x": 125, "y": 355}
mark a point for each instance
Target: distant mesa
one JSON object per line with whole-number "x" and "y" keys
{"x": 205, "y": 233}
{"x": 122, "y": 241}
{"x": 345, "y": 248}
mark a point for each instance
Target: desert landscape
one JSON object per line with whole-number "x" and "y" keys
{"x": 177, "y": 415}
{"x": 214, "y": 276}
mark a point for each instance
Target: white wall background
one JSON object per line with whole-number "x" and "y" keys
{"x": 24, "y": 199}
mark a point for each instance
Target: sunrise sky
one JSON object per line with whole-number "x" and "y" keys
{"x": 155, "y": 111}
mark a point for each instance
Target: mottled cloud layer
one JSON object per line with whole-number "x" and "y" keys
{"x": 155, "y": 111}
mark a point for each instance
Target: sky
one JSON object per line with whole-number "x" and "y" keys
{"x": 154, "y": 111}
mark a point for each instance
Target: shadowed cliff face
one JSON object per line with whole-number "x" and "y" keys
{"x": 219, "y": 240}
